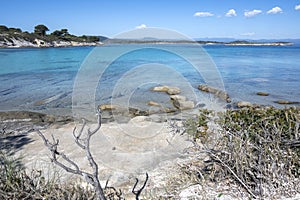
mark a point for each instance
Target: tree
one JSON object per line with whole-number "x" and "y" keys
{"x": 3, "y": 29}
{"x": 64, "y": 31}
{"x": 40, "y": 29}
{"x": 14, "y": 30}
{"x": 57, "y": 33}
{"x": 61, "y": 33}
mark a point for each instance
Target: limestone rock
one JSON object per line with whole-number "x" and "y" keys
{"x": 177, "y": 98}
{"x": 169, "y": 90}
{"x": 262, "y": 94}
{"x": 173, "y": 90}
{"x": 169, "y": 110}
{"x": 183, "y": 105}
{"x": 244, "y": 104}
{"x": 284, "y": 102}
{"x": 218, "y": 93}
{"x": 139, "y": 119}
{"x": 153, "y": 103}
{"x": 160, "y": 89}
{"x": 108, "y": 107}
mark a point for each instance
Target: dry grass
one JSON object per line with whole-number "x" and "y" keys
{"x": 16, "y": 183}
{"x": 258, "y": 149}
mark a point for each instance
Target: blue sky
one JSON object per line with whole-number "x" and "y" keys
{"x": 251, "y": 19}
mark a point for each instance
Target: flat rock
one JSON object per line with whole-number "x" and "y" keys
{"x": 160, "y": 88}
{"x": 153, "y": 103}
{"x": 177, "y": 98}
{"x": 218, "y": 93}
{"x": 244, "y": 104}
{"x": 173, "y": 91}
{"x": 262, "y": 94}
{"x": 140, "y": 119}
{"x": 169, "y": 90}
{"x": 183, "y": 105}
{"x": 285, "y": 102}
{"x": 108, "y": 107}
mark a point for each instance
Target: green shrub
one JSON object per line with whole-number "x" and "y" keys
{"x": 255, "y": 148}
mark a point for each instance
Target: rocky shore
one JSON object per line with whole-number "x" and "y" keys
{"x": 15, "y": 42}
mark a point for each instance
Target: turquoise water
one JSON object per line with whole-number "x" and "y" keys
{"x": 43, "y": 79}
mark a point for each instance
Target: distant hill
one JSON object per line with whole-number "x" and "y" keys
{"x": 228, "y": 40}
{"x": 15, "y": 37}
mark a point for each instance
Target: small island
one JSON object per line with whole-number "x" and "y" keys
{"x": 16, "y": 38}
{"x": 247, "y": 43}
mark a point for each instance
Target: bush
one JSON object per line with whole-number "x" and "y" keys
{"x": 15, "y": 183}
{"x": 259, "y": 149}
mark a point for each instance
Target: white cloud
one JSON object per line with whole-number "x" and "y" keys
{"x": 275, "y": 10}
{"x": 141, "y": 26}
{"x": 252, "y": 13}
{"x": 248, "y": 34}
{"x": 203, "y": 14}
{"x": 231, "y": 13}
{"x": 297, "y": 7}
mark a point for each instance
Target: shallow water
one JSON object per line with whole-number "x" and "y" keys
{"x": 43, "y": 79}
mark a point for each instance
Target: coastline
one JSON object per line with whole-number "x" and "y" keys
{"x": 133, "y": 148}
{"x": 38, "y": 43}
{"x": 16, "y": 42}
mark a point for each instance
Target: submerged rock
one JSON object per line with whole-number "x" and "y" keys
{"x": 218, "y": 93}
{"x": 153, "y": 103}
{"x": 285, "y": 102}
{"x": 262, "y": 94}
{"x": 169, "y": 90}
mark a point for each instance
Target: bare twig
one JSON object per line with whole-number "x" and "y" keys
{"x": 138, "y": 192}
{"x": 72, "y": 167}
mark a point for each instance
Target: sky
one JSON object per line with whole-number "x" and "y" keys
{"x": 248, "y": 19}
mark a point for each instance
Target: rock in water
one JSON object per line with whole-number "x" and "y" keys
{"x": 218, "y": 93}
{"x": 177, "y": 97}
{"x": 108, "y": 107}
{"x": 284, "y": 102}
{"x": 160, "y": 89}
{"x": 183, "y": 105}
{"x": 244, "y": 104}
{"x": 173, "y": 90}
{"x": 169, "y": 90}
{"x": 153, "y": 103}
{"x": 262, "y": 94}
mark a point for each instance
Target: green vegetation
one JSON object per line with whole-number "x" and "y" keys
{"x": 40, "y": 32}
{"x": 16, "y": 183}
{"x": 40, "y": 29}
{"x": 257, "y": 149}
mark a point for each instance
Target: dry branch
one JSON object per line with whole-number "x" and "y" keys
{"x": 138, "y": 192}
{"x": 72, "y": 167}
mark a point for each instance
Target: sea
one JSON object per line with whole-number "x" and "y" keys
{"x": 61, "y": 80}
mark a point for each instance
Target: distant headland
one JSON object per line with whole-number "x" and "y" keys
{"x": 16, "y": 38}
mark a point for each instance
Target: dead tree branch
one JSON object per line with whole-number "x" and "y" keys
{"x": 138, "y": 192}
{"x": 71, "y": 166}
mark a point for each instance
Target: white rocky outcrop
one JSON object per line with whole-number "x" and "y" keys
{"x": 15, "y": 42}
